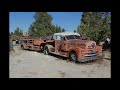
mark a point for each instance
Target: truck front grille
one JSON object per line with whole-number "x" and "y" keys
{"x": 88, "y": 54}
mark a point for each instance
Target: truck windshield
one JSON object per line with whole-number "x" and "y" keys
{"x": 72, "y": 37}
{"x": 77, "y": 37}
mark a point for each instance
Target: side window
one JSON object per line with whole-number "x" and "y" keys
{"x": 25, "y": 41}
{"x": 57, "y": 37}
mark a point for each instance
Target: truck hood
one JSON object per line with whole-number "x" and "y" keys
{"x": 82, "y": 43}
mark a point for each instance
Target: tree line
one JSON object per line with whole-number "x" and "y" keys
{"x": 94, "y": 26}
{"x": 42, "y": 26}
{"x": 18, "y": 32}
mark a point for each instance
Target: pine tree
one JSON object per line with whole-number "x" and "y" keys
{"x": 63, "y": 30}
{"x": 11, "y": 33}
{"x": 42, "y": 25}
{"x": 95, "y": 25}
{"x": 18, "y": 32}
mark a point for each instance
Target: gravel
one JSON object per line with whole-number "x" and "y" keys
{"x": 31, "y": 64}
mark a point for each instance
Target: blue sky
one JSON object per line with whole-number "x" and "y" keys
{"x": 67, "y": 20}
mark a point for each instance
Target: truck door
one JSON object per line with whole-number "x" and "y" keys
{"x": 57, "y": 43}
{"x": 63, "y": 44}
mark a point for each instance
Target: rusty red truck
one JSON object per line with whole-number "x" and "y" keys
{"x": 67, "y": 44}
{"x": 36, "y": 44}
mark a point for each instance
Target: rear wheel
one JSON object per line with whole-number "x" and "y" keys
{"x": 73, "y": 56}
{"x": 46, "y": 51}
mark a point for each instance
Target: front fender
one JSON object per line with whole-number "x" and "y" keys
{"x": 77, "y": 50}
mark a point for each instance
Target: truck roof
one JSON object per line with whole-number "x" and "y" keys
{"x": 66, "y": 33}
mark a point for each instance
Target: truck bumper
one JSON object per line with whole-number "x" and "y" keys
{"x": 91, "y": 58}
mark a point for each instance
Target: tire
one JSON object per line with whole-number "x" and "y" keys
{"x": 46, "y": 51}
{"x": 22, "y": 47}
{"x": 73, "y": 57}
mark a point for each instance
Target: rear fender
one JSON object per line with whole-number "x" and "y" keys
{"x": 49, "y": 46}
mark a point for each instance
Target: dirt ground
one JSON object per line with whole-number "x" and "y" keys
{"x": 31, "y": 64}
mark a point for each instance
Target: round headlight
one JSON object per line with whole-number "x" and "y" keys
{"x": 93, "y": 45}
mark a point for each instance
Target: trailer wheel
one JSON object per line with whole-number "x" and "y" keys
{"x": 22, "y": 47}
{"x": 46, "y": 51}
{"x": 73, "y": 56}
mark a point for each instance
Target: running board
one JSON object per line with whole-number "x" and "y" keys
{"x": 58, "y": 54}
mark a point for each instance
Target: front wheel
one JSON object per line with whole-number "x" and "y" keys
{"x": 73, "y": 56}
{"x": 46, "y": 51}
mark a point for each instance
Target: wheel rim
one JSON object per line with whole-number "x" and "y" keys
{"x": 73, "y": 56}
{"x": 46, "y": 50}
